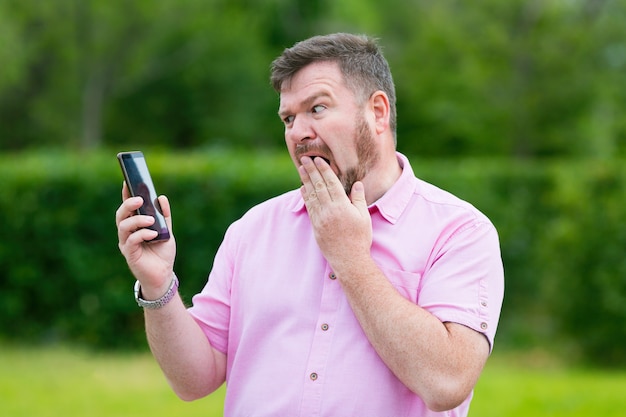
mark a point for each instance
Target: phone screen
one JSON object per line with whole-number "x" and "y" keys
{"x": 139, "y": 183}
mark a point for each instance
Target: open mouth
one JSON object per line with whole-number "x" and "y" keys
{"x": 313, "y": 157}
{"x": 313, "y": 152}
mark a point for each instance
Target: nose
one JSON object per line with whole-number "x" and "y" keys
{"x": 300, "y": 130}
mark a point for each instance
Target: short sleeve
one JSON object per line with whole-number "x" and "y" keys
{"x": 211, "y": 307}
{"x": 465, "y": 284}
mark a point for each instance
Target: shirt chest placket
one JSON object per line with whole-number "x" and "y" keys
{"x": 315, "y": 377}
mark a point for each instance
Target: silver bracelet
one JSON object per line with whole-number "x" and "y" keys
{"x": 160, "y": 302}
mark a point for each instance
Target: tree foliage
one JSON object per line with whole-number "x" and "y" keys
{"x": 519, "y": 78}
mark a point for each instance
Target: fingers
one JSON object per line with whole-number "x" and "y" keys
{"x": 128, "y": 208}
{"x": 357, "y": 194}
{"x": 135, "y": 237}
{"x": 357, "y": 197}
{"x": 131, "y": 226}
{"x": 125, "y": 191}
{"x": 319, "y": 181}
{"x": 128, "y": 222}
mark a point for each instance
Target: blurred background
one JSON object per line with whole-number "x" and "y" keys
{"x": 517, "y": 106}
{"x": 518, "y": 78}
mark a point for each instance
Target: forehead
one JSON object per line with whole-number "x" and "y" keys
{"x": 314, "y": 79}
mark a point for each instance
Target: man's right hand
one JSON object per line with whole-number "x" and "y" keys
{"x": 151, "y": 263}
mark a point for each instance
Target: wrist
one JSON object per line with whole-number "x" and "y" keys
{"x": 159, "y": 302}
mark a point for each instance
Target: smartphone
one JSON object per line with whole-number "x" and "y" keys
{"x": 139, "y": 182}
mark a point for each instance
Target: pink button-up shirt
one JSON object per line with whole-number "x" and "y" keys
{"x": 294, "y": 347}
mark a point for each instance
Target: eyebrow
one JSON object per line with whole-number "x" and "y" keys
{"x": 306, "y": 103}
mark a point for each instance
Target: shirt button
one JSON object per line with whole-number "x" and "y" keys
{"x": 324, "y": 326}
{"x": 483, "y": 326}
{"x": 483, "y": 303}
{"x": 332, "y": 275}
{"x": 313, "y": 376}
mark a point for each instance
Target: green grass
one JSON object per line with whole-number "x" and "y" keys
{"x": 533, "y": 384}
{"x": 49, "y": 382}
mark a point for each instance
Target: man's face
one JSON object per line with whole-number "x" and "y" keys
{"x": 322, "y": 118}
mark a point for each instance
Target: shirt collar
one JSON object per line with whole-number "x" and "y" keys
{"x": 392, "y": 204}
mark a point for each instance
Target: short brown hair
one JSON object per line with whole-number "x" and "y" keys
{"x": 360, "y": 60}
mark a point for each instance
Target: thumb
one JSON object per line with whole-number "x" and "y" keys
{"x": 357, "y": 196}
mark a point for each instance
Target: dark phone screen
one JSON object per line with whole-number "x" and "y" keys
{"x": 140, "y": 184}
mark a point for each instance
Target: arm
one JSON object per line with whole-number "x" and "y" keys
{"x": 438, "y": 361}
{"x": 192, "y": 367}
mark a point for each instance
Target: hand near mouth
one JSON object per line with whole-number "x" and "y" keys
{"x": 342, "y": 224}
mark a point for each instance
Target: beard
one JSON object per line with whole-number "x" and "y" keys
{"x": 366, "y": 155}
{"x": 365, "y": 150}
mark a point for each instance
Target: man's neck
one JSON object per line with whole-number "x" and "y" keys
{"x": 380, "y": 180}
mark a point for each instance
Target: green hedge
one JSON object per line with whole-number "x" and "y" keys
{"x": 62, "y": 278}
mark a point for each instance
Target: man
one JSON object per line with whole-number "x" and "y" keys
{"x": 367, "y": 292}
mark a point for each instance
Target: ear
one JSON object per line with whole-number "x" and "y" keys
{"x": 379, "y": 104}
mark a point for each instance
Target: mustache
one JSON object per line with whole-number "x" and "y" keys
{"x": 314, "y": 149}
